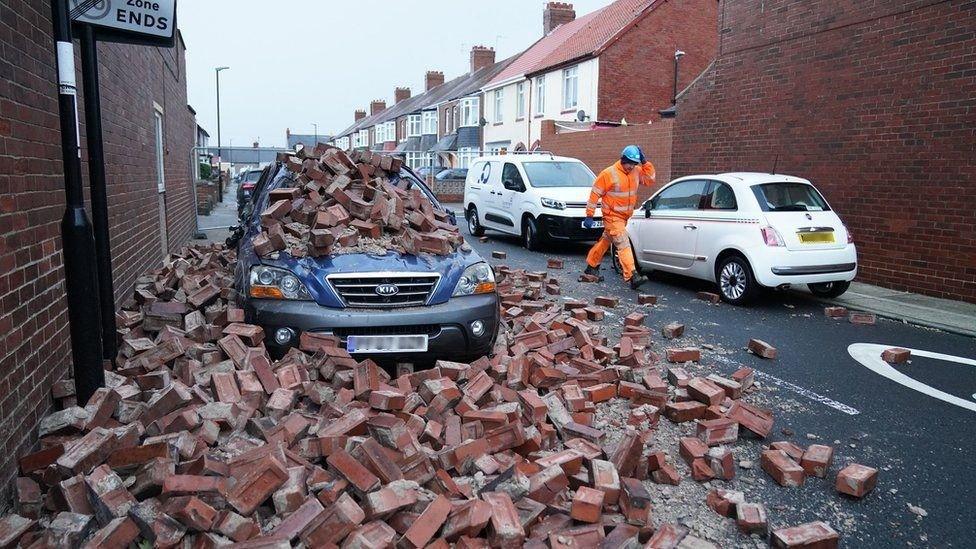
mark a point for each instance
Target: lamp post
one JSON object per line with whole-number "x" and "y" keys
{"x": 220, "y": 173}
{"x": 316, "y": 126}
{"x": 678, "y": 54}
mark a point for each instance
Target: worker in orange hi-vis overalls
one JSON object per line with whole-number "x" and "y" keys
{"x": 616, "y": 187}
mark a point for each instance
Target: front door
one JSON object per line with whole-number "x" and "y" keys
{"x": 669, "y": 236}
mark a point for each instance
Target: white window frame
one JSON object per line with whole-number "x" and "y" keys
{"x": 429, "y": 123}
{"x": 540, "y": 95}
{"x": 465, "y": 156}
{"x": 499, "y": 105}
{"x": 571, "y": 88}
{"x": 413, "y": 125}
{"x": 159, "y": 135}
{"x": 364, "y": 138}
{"x": 470, "y": 114}
{"x": 389, "y": 131}
{"x": 520, "y": 101}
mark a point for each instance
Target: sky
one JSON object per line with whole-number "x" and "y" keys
{"x": 298, "y": 63}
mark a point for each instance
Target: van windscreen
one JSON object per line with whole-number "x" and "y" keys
{"x": 558, "y": 174}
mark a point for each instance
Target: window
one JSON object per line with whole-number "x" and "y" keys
{"x": 520, "y": 101}
{"x": 465, "y": 156}
{"x": 558, "y": 174}
{"x": 160, "y": 179}
{"x": 449, "y": 120}
{"x": 469, "y": 112}
{"x": 570, "y": 88}
{"x": 413, "y": 125}
{"x": 685, "y": 195}
{"x": 540, "y": 95}
{"x": 720, "y": 197}
{"x": 415, "y": 159}
{"x": 389, "y": 132}
{"x": 456, "y": 119}
{"x": 378, "y": 134}
{"x": 510, "y": 173}
{"x": 429, "y": 123}
{"x": 402, "y": 132}
{"x": 499, "y": 104}
{"x": 789, "y": 197}
{"x": 363, "y": 138}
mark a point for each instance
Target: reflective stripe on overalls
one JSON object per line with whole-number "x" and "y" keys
{"x": 630, "y": 195}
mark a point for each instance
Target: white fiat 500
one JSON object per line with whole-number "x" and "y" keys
{"x": 745, "y": 231}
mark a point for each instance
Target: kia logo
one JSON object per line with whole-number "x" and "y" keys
{"x": 387, "y": 290}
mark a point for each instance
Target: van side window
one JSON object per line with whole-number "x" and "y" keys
{"x": 511, "y": 173}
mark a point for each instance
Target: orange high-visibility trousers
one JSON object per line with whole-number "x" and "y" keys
{"x": 614, "y": 231}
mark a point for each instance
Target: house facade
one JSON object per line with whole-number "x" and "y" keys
{"x": 611, "y": 65}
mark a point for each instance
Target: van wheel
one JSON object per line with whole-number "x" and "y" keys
{"x": 531, "y": 238}
{"x": 829, "y": 289}
{"x": 736, "y": 284}
{"x": 474, "y": 226}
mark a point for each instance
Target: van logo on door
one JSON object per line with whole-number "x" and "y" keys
{"x": 387, "y": 290}
{"x": 485, "y": 173}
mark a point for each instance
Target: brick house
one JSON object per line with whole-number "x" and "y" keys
{"x": 143, "y": 92}
{"x": 871, "y": 101}
{"x": 612, "y": 64}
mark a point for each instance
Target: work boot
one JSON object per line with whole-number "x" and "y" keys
{"x": 637, "y": 280}
{"x": 595, "y": 271}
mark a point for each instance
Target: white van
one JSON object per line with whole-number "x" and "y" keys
{"x": 536, "y": 196}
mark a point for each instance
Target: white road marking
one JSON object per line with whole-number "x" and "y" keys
{"x": 803, "y": 391}
{"x": 869, "y": 355}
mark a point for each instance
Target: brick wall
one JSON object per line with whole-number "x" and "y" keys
{"x": 601, "y": 148}
{"x": 873, "y": 101}
{"x": 637, "y": 71}
{"x": 35, "y": 350}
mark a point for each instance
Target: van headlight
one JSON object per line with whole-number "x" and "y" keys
{"x": 553, "y": 203}
{"x": 476, "y": 279}
{"x": 273, "y": 283}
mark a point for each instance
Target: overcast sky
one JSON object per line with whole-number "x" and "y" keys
{"x": 295, "y": 63}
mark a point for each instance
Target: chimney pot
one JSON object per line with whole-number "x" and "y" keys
{"x": 399, "y": 94}
{"x": 555, "y": 14}
{"x": 376, "y": 106}
{"x": 433, "y": 79}
{"x": 360, "y": 114}
{"x": 482, "y": 56}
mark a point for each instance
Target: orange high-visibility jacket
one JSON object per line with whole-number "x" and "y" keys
{"x": 618, "y": 190}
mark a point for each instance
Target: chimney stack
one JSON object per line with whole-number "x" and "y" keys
{"x": 482, "y": 56}
{"x": 360, "y": 114}
{"x": 433, "y": 79}
{"x": 255, "y": 145}
{"x": 376, "y": 106}
{"x": 556, "y": 13}
{"x": 399, "y": 94}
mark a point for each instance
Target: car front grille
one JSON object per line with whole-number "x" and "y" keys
{"x": 360, "y": 289}
{"x": 581, "y": 205}
{"x": 417, "y": 329}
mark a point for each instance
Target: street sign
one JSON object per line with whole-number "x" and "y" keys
{"x": 146, "y": 22}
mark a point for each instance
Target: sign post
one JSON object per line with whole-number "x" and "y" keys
{"x": 81, "y": 284}
{"x": 88, "y": 260}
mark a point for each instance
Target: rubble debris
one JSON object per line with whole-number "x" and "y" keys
{"x": 200, "y": 439}
{"x": 709, "y": 297}
{"x": 896, "y": 355}
{"x": 337, "y": 203}
{"x": 856, "y": 480}
{"x": 762, "y": 349}
{"x": 812, "y": 534}
{"x": 553, "y": 263}
{"x": 867, "y": 319}
{"x": 835, "y": 312}
{"x": 646, "y": 299}
{"x": 497, "y": 254}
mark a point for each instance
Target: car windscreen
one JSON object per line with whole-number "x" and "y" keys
{"x": 252, "y": 176}
{"x": 789, "y": 197}
{"x": 558, "y": 174}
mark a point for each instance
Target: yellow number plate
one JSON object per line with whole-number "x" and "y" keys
{"x": 816, "y": 238}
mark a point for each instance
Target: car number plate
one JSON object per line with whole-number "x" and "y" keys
{"x": 597, "y": 224}
{"x": 816, "y": 238}
{"x": 387, "y": 344}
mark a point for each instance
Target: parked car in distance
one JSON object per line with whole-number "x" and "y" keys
{"x": 417, "y": 308}
{"x": 537, "y": 197}
{"x": 452, "y": 174}
{"x": 745, "y": 232}
{"x": 426, "y": 171}
{"x": 248, "y": 179}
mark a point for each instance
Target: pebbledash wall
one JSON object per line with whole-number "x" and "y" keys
{"x": 875, "y": 102}
{"x": 600, "y": 148}
{"x": 136, "y": 82}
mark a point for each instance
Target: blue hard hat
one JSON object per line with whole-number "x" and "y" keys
{"x": 632, "y": 153}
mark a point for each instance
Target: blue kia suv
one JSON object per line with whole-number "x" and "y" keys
{"x": 413, "y": 308}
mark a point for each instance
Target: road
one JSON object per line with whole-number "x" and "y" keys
{"x": 922, "y": 446}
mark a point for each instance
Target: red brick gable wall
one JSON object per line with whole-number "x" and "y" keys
{"x": 873, "y": 101}
{"x": 637, "y": 71}
{"x": 34, "y": 349}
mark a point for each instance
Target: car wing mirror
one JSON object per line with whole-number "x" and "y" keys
{"x": 647, "y": 210}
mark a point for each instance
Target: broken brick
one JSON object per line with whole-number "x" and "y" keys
{"x": 856, "y": 480}
{"x": 762, "y": 349}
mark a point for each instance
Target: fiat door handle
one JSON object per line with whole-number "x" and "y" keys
{"x": 691, "y": 227}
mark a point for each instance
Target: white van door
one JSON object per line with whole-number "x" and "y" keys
{"x": 495, "y": 216}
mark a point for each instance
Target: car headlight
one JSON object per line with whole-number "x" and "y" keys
{"x": 476, "y": 279}
{"x": 273, "y": 283}
{"x": 553, "y": 203}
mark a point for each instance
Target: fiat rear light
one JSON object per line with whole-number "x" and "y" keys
{"x": 772, "y": 237}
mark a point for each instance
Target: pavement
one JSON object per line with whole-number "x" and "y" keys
{"x": 216, "y": 225}
{"x": 914, "y": 422}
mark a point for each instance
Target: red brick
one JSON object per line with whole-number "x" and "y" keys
{"x": 816, "y": 460}
{"x": 705, "y": 391}
{"x": 856, "y": 480}
{"x": 587, "y": 505}
{"x": 762, "y": 349}
{"x": 867, "y": 319}
{"x": 724, "y": 502}
{"x": 811, "y": 535}
{"x": 684, "y": 354}
{"x": 357, "y": 475}
{"x": 505, "y": 530}
{"x": 896, "y": 355}
{"x": 427, "y": 524}
{"x": 751, "y": 519}
{"x": 784, "y": 470}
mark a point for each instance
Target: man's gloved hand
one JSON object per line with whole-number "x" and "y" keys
{"x": 588, "y": 222}
{"x": 643, "y": 159}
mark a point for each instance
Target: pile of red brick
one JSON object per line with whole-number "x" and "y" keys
{"x": 200, "y": 439}
{"x": 335, "y": 201}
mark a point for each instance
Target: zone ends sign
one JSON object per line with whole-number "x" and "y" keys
{"x": 147, "y": 22}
